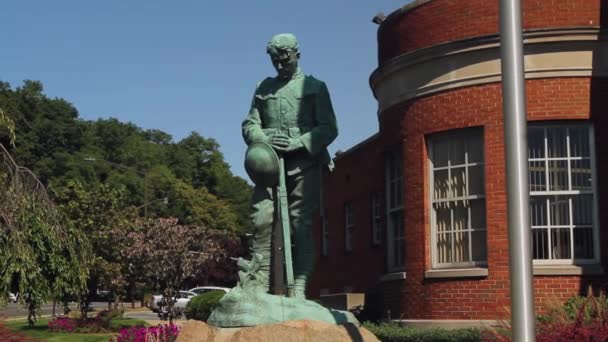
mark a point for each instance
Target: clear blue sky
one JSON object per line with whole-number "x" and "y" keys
{"x": 183, "y": 66}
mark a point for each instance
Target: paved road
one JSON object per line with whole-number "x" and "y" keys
{"x": 145, "y": 315}
{"x": 16, "y": 310}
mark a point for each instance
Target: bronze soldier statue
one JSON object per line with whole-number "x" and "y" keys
{"x": 293, "y": 114}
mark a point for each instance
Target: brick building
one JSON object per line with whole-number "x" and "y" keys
{"x": 416, "y": 214}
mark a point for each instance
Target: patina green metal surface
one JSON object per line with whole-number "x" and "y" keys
{"x": 284, "y": 214}
{"x": 248, "y": 304}
{"x": 262, "y": 164}
{"x": 293, "y": 114}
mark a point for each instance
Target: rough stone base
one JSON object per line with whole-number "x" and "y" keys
{"x": 290, "y": 331}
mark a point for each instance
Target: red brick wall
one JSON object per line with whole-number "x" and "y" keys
{"x": 360, "y": 173}
{"x": 441, "y": 21}
{"x": 356, "y": 176}
{"x": 481, "y": 106}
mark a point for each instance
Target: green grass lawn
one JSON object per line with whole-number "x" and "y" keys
{"x": 40, "y": 331}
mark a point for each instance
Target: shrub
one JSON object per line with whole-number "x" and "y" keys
{"x": 201, "y": 306}
{"x": 101, "y": 323}
{"x": 393, "y": 332}
{"x": 63, "y": 324}
{"x": 104, "y": 317}
{"x": 573, "y": 332}
{"x": 160, "y": 333}
{"x": 117, "y": 324}
{"x": 590, "y": 307}
{"x": 580, "y": 319}
{"x": 73, "y": 325}
{"x": 148, "y": 299}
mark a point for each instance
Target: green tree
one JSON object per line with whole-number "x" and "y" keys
{"x": 199, "y": 162}
{"x": 6, "y": 124}
{"x": 100, "y": 213}
{"x": 42, "y": 257}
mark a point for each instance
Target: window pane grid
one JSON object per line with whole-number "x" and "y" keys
{"x": 451, "y": 166}
{"x": 325, "y": 234}
{"x": 458, "y": 199}
{"x": 349, "y": 227}
{"x": 376, "y": 219}
{"x": 561, "y": 207}
{"x": 394, "y": 210}
{"x": 558, "y": 158}
{"x": 457, "y": 173}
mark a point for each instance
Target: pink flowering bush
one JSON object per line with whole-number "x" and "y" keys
{"x": 101, "y": 323}
{"x": 159, "y": 333}
{"x": 580, "y": 319}
{"x": 62, "y": 324}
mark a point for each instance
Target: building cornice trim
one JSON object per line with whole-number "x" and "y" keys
{"x": 563, "y": 52}
{"x": 392, "y": 277}
{"x": 456, "y": 273}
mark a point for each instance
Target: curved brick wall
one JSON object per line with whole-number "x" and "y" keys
{"x": 410, "y": 115}
{"x": 427, "y": 23}
{"x": 481, "y": 106}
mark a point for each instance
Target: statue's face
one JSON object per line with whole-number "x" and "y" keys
{"x": 285, "y": 62}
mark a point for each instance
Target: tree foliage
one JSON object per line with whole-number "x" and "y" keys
{"x": 55, "y": 143}
{"x": 7, "y": 125}
{"x": 42, "y": 257}
{"x": 103, "y": 174}
{"x": 100, "y": 213}
{"x": 170, "y": 254}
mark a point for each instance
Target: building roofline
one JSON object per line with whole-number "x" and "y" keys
{"x": 396, "y": 14}
{"x": 357, "y": 146}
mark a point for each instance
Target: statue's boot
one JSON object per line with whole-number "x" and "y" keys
{"x": 262, "y": 219}
{"x": 300, "y": 288}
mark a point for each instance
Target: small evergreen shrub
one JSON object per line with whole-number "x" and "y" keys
{"x": 104, "y": 317}
{"x": 201, "y": 306}
{"x": 393, "y": 332}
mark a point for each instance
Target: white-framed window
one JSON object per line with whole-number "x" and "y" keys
{"x": 376, "y": 212}
{"x": 324, "y": 234}
{"x": 458, "y": 204}
{"x": 394, "y": 210}
{"x": 563, "y": 199}
{"x": 349, "y": 226}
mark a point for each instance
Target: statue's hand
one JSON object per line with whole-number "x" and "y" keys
{"x": 284, "y": 144}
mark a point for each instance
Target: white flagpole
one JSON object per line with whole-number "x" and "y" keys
{"x": 515, "y": 129}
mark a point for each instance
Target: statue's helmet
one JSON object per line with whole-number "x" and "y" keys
{"x": 262, "y": 164}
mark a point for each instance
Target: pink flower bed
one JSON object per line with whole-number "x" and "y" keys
{"x": 63, "y": 324}
{"x": 159, "y": 333}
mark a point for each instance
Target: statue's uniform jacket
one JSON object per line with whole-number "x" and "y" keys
{"x": 300, "y": 108}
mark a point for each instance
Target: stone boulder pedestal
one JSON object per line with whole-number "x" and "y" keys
{"x": 288, "y": 331}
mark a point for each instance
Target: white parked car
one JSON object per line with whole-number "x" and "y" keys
{"x": 183, "y": 298}
{"x": 12, "y": 297}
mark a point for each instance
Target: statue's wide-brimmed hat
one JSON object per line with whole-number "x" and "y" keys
{"x": 262, "y": 164}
